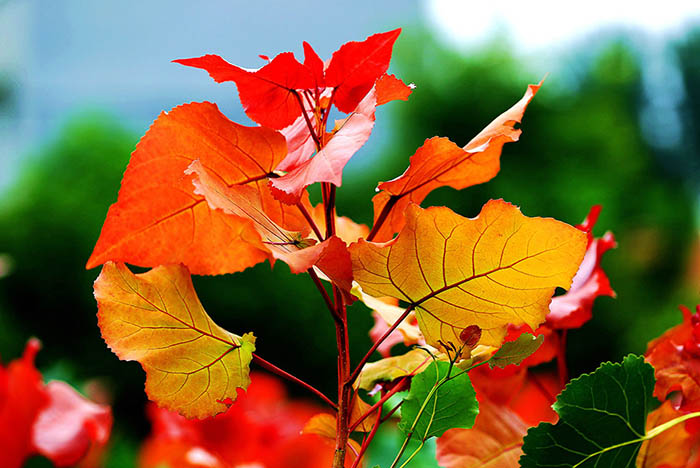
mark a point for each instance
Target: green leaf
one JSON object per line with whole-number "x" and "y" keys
{"x": 515, "y": 352}
{"x": 441, "y": 397}
{"x": 602, "y": 419}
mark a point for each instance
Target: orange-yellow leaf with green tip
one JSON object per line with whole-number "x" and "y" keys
{"x": 497, "y": 269}
{"x": 192, "y": 365}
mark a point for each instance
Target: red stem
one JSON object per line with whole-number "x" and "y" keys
{"x": 330, "y": 210}
{"x": 382, "y": 217}
{"x": 344, "y": 391}
{"x": 368, "y": 439}
{"x": 561, "y": 359}
{"x": 308, "y": 122}
{"x": 310, "y": 221}
{"x": 276, "y": 370}
{"x": 400, "y": 385}
{"x": 376, "y": 345}
{"x": 324, "y": 293}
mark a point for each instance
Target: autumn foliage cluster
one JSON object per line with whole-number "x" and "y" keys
{"x": 471, "y": 297}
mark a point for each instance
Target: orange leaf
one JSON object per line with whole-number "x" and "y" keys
{"x": 495, "y": 440}
{"x": 192, "y": 365}
{"x": 331, "y": 255}
{"x": 159, "y": 220}
{"x": 440, "y": 162}
{"x": 496, "y": 269}
{"x": 389, "y": 88}
{"x": 671, "y": 448}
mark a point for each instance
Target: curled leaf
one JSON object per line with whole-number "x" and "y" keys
{"x": 573, "y": 309}
{"x": 497, "y": 269}
{"x": 440, "y": 162}
{"x": 192, "y": 365}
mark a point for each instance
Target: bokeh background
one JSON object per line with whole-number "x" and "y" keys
{"x": 615, "y": 124}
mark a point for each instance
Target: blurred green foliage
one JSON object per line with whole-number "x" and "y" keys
{"x": 581, "y": 145}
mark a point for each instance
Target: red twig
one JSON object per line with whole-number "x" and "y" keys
{"x": 376, "y": 344}
{"x": 368, "y": 439}
{"x": 382, "y": 217}
{"x": 310, "y": 221}
{"x": 276, "y": 370}
{"x": 324, "y": 293}
{"x": 561, "y": 359}
{"x": 400, "y": 385}
{"x": 308, "y": 122}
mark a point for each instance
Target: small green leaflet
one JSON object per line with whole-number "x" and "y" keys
{"x": 515, "y": 352}
{"x": 441, "y": 397}
{"x": 602, "y": 419}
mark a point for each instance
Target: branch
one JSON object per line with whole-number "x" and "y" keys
{"x": 310, "y": 220}
{"x": 376, "y": 344}
{"x": 330, "y": 210}
{"x": 401, "y": 385}
{"x": 306, "y": 118}
{"x": 324, "y": 293}
{"x": 368, "y": 439}
{"x": 276, "y": 370}
{"x": 382, "y": 217}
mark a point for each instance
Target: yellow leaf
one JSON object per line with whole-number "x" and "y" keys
{"x": 192, "y": 365}
{"x": 497, "y": 269}
{"x": 392, "y": 368}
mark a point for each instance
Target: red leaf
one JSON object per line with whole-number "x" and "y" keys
{"x": 262, "y": 428}
{"x": 389, "y": 88}
{"x": 573, "y": 309}
{"x": 24, "y": 397}
{"x": 675, "y": 356}
{"x": 267, "y": 94}
{"x": 327, "y": 165}
{"x": 70, "y": 425}
{"x": 159, "y": 220}
{"x": 356, "y": 66}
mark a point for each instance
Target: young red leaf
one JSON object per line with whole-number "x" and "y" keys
{"x": 573, "y": 309}
{"x": 327, "y": 165}
{"x": 495, "y": 440}
{"x": 440, "y": 162}
{"x": 159, "y": 220}
{"x": 356, "y": 66}
{"x": 192, "y": 365}
{"x": 70, "y": 425}
{"x": 497, "y": 269}
{"x": 23, "y": 398}
{"x": 267, "y": 94}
